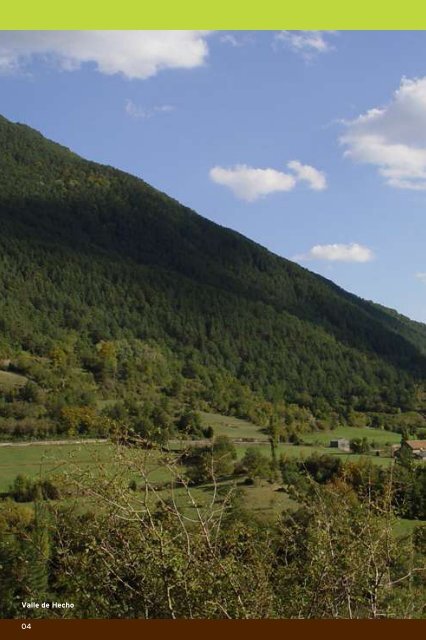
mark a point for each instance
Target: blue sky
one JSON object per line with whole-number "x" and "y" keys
{"x": 311, "y": 143}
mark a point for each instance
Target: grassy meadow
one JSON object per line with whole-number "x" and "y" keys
{"x": 10, "y": 381}
{"x": 263, "y": 498}
{"x": 36, "y": 459}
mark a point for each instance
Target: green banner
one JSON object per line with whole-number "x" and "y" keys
{"x": 221, "y": 14}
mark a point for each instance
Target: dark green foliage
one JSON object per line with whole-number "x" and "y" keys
{"x": 25, "y": 489}
{"x": 410, "y": 491}
{"x": 207, "y": 464}
{"x": 40, "y": 550}
{"x": 148, "y": 420}
{"x": 16, "y": 552}
{"x": 289, "y": 469}
{"x": 255, "y": 465}
{"x": 360, "y": 445}
{"x": 320, "y": 468}
{"x": 336, "y": 557}
{"x": 208, "y": 432}
{"x": 189, "y": 423}
{"x": 112, "y": 285}
{"x": 405, "y": 482}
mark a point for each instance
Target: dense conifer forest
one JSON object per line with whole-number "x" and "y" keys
{"x": 121, "y": 288}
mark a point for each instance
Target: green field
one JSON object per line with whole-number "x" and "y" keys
{"x": 236, "y": 428}
{"x": 379, "y": 436}
{"x": 40, "y": 460}
{"x": 303, "y": 451}
{"x": 263, "y": 499}
{"x": 316, "y": 442}
{"x": 405, "y": 527}
{"x": 35, "y": 459}
{"x": 266, "y": 500}
{"x": 9, "y": 381}
{"x": 232, "y": 427}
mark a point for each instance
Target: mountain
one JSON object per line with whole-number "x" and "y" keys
{"x": 93, "y": 256}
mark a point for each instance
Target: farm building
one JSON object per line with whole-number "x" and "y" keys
{"x": 340, "y": 443}
{"x": 417, "y": 448}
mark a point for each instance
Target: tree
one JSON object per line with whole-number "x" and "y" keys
{"x": 255, "y": 465}
{"x": 206, "y": 464}
{"x": 165, "y": 552}
{"x": 404, "y": 455}
{"x": 339, "y": 558}
{"x": 29, "y": 392}
{"x": 153, "y": 559}
{"x": 107, "y": 353}
{"x": 190, "y": 423}
{"x": 40, "y": 551}
{"x": 16, "y": 523}
{"x": 273, "y": 433}
{"x": 359, "y": 445}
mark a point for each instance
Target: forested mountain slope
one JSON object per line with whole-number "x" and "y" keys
{"x": 89, "y": 254}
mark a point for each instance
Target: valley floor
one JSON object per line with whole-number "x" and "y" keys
{"x": 44, "y": 459}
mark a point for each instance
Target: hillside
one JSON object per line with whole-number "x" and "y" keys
{"x": 99, "y": 267}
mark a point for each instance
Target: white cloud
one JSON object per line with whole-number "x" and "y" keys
{"x": 138, "y": 112}
{"x": 421, "y": 277}
{"x": 229, "y": 38}
{"x": 7, "y": 64}
{"x": 249, "y": 183}
{"x": 134, "y": 54}
{"x": 315, "y": 179}
{"x": 338, "y": 253}
{"x": 306, "y": 43}
{"x": 393, "y": 137}
{"x": 239, "y": 39}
